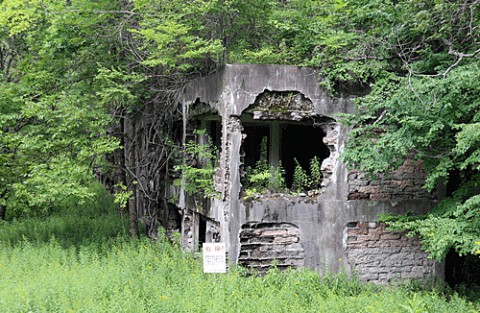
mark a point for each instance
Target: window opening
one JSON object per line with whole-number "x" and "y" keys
{"x": 301, "y": 143}
{"x": 255, "y": 136}
{"x": 275, "y": 148}
{"x": 215, "y": 132}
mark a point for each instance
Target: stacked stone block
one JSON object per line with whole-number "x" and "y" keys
{"x": 405, "y": 183}
{"x": 378, "y": 255}
{"x": 264, "y": 244}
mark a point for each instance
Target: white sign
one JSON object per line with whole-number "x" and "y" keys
{"x": 214, "y": 258}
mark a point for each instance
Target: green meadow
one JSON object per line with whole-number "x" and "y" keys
{"x": 85, "y": 262}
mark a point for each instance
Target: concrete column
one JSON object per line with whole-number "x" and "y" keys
{"x": 202, "y": 139}
{"x": 274, "y": 146}
{"x": 230, "y": 182}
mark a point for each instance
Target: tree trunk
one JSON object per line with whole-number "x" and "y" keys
{"x": 120, "y": 176}
{"x": 129, "y": 148}
{"x": 3, "y": 211}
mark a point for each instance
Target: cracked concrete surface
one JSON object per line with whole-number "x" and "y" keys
{"x": 320, "y": 221}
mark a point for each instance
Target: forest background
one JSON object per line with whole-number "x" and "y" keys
{"x": 88, "y": 95}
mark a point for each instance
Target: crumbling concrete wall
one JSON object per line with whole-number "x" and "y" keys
{"x": 382, "y": 256}
{"x": 234, "y": 88}
{"x": 322, "y": 226}
{"x": 320, "y": 220}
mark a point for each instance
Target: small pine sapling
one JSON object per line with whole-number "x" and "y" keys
{"x": 300, "y": 178}
{"x": 277, "y": 178}
{"x": 315, "y": 174}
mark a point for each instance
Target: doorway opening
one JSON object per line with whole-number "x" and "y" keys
{"x": 462, "y": 270}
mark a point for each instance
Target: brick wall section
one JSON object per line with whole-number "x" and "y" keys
{"x": 382, "y": 256}
{"x": 261, "y": 244}
{"x": 403, "y": 184}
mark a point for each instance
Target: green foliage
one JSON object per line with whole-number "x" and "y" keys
{"x": 121, "y": 195}
{"x": 251, "y": 192}
{"x": 119, "y": 88}
{"x": 315, "y": 174}
{"x": 100, "y": 274}
{"x": 452, "y": 223}
{"x": 277, "y": 179}
{"x": 198, "y": 173}
{"x": 258, "y": 176}
{"x": 423, "y": 104}
{"x": 53, "y": 131}
{"x": 95, "y": 221}
{"x": 173, "y": 35}
{"x": 69, "y": 71}
{"x": 436, "y": 118}
{"x": 264, "y": 177}
{"x": 300, "y": 178}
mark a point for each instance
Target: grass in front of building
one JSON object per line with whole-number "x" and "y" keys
{"x": 85, "y": 263}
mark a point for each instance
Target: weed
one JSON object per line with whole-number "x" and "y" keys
{"x": 98, "y": 269}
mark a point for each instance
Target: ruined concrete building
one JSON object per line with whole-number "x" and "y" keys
{"x": 282, "y": 114}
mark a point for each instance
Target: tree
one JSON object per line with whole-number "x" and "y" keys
{"x": 88, "y": 89}
{"x": 79, "y": 79}
{"x": 427, "y": 107}
{"x": 53, "y": 130}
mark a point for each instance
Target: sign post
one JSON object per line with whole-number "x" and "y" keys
{"x": 214, "y": 258}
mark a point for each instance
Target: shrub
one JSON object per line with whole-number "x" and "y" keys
{"x": 300, "y": 178}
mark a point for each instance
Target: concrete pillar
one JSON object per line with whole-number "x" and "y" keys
{"x": 230, "y": 184}
{"x": 274, "y": 146}
{"x": 202, "y": 139}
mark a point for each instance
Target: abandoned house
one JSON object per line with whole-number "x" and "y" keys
{"x": 267, "y": 119}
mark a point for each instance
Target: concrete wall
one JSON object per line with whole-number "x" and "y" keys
{"x": 233, "y": 88}
{"x": 321, "y": 221}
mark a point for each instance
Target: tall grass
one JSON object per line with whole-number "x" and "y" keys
{"x": 66, "y": 230}
{"x": 110, "y": 273}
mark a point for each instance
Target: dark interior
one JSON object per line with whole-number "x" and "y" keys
{"x": 297, "y": 141}
{"x": 202, "y": 231}
{"x": 253, "y": 141}
{"x": 303, "y": 143}
{"x": 215, "y": 132}
{"x": 462, "y": 269}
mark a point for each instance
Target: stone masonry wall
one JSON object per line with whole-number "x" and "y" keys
{"x": 188, "y": 231}
{"x": 381, "y": 256}
{"x": 403, "y": 184}
{"x": 265, "y": 243}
